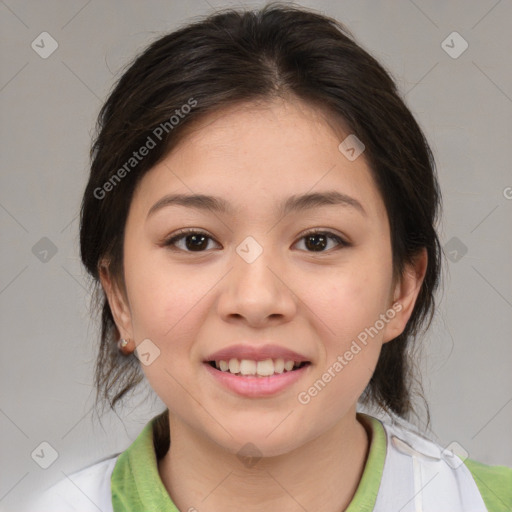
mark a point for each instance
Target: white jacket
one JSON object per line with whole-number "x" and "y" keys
{"x": 418, "y": 476}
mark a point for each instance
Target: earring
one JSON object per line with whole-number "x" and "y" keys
{"x": 122, "y": 344}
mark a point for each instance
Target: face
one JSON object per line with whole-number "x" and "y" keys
{"x": 254, "y": 282}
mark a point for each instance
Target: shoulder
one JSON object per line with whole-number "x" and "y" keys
{"x": 85, "y": 490}
{"x": 438, "y": 476}
{"x": 494, "y": 483}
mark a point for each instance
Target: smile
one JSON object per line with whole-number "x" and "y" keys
{"x": 256, "y": 379}
{"x": 265, "y": 368}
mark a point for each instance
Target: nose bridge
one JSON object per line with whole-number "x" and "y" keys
{"x": 256, "y": 291}
{"x": 252, "y": 265}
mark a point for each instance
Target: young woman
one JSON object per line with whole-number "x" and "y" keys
{"x": 260, "y": 216}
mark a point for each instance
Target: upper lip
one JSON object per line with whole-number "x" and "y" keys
{"x": 256, "y": 353}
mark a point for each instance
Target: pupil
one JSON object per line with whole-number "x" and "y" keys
{"x": 315, "y": 246}
{"x": 195, "y": 238}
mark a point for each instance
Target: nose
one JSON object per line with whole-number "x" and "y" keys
{"x": 258, "y": 293}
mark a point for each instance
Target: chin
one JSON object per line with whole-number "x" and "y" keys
{"x": 256, "y": 442}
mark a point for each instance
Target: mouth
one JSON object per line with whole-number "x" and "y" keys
{"x": 251, "y": 368}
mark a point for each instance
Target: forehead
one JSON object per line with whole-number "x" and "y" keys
{"x": 279, "y": 124}
{"x": 262, "y": 152}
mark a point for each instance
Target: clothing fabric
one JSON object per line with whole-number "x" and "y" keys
{"x": 404, "y": 471}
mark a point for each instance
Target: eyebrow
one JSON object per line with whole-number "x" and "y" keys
{"x": 295, "y": 203}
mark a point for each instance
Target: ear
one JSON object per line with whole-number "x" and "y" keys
{"x": 117, "y": 301}
{"x": 405, "y": 294}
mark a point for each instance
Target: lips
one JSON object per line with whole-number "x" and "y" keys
{"x": 259, "y": 353}
{"x": 257, "y": 386}
{"x": 256, "y": 371}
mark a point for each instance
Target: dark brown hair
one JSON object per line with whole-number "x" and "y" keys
{"x": 238, "y": 56}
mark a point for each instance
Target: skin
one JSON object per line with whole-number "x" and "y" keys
{"x": 190, "y": 304}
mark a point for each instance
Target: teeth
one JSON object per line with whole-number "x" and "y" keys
{"x": 265, "y": 368}
{"x": 234, "y": 365}
{"x": 247, "y": 367}
{"x": 279, "y": 365}
{"x": 288, "y": 366}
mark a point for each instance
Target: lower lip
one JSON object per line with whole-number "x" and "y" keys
{"x": 255, "y": 387}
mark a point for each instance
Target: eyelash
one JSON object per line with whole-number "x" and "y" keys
{"x": 190, "y": 231}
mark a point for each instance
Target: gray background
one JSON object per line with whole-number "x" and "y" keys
{"x": 49, "y": 108}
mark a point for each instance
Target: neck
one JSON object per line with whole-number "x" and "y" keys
{"x": 322, "y": 474}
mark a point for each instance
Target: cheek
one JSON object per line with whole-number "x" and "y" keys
{"x": 348, "y": 309}
{"x": 163, "y": 297}
{"x": 166, "y": 307}
{"x": 346, "y": 312}
{"x": 350, "y": 299}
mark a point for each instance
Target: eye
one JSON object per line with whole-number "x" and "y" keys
{"x": 195, "y": 241}
{"x": 317, "y": 240}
